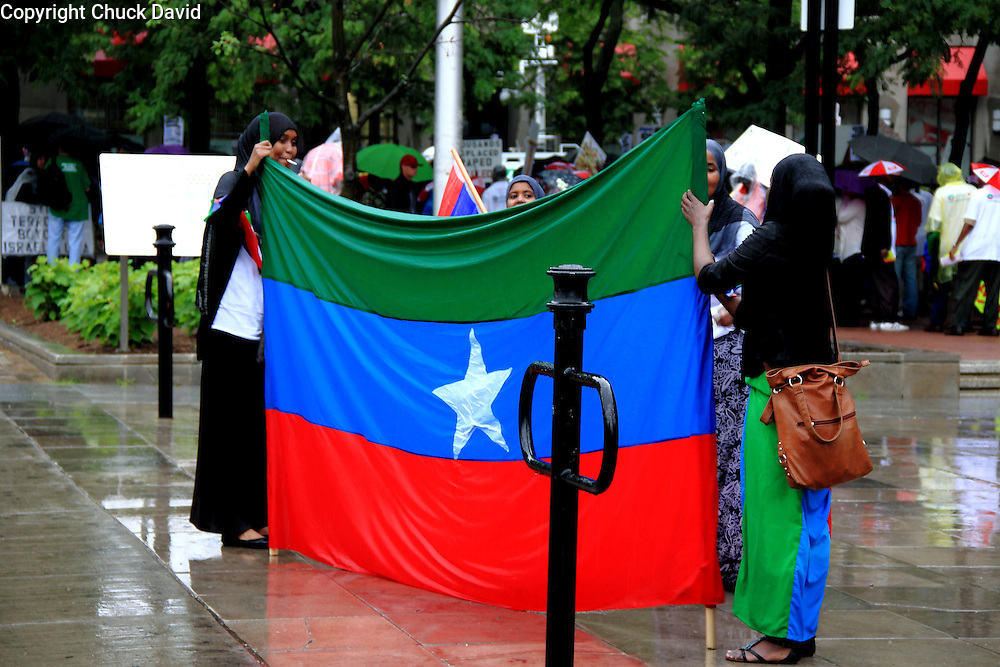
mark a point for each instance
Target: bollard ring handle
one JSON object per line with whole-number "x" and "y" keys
{"x": 609, "y": 411}
{"x": 524, "y": 415}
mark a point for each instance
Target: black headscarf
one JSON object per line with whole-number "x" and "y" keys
{"x": 802, "y": 200}
{"x": 727, "y": 214}
{"x": 279, "y": 124}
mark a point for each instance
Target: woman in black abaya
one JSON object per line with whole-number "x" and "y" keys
{"x": 230, "y": 487}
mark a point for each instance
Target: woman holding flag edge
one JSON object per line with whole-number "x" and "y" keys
{"x": 230, "y": 487}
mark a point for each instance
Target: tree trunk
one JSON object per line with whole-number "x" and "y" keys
{"x": 779, "y": 64}
{"x": 595, "y": 76}
{"x": 199, "y": 117}
{"x": 350, "y": 133}
{"x": 964, "y": 103}
{"x": 874, "y": 105}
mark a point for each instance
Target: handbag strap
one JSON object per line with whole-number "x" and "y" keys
{"x": 803, "y": 404}
{"x": 833, "y": 314}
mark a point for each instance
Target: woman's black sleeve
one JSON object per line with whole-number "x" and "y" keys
{"x": 235, "y": 201}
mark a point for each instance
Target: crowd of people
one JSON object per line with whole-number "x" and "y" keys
{"x": 902, "y": 252}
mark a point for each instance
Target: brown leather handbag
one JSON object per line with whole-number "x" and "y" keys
{"x": 819, "y": 442}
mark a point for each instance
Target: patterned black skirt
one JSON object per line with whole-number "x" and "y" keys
{"x": 730, "y": 406}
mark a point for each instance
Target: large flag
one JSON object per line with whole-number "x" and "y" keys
{"x": 395, "y": 347}
{"x": 459, "y": 196}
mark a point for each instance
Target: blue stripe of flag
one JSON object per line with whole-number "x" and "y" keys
{"x": 375, "y": 376}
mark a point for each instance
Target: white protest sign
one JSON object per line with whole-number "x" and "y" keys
{"x": 144, "y": 190}
{"x": 24, "y": 231}
{"x": 762, "y": 148}
{"x": 481, "y": 155}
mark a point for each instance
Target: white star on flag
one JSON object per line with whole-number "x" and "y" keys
{"x": 472, "y": 399}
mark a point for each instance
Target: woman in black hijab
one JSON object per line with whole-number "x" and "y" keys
{"x": 728, "y": 226}
{"x": 786, "y": 315}
{"x": 230, "y": 487}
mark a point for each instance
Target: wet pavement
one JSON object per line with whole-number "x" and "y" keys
{"x": 99, "y": 565}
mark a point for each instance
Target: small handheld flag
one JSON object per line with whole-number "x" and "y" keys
{"x": 460, "y": 195}
{"x": 265, "y": 126}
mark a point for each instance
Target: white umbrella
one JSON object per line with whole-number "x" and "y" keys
{"x": 763, "y": 149}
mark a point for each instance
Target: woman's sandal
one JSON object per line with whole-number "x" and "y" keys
{"x": 789, "y": 659}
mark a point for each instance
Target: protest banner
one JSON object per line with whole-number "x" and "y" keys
{"x": 24, "y": 231}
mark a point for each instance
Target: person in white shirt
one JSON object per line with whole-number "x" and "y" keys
{"x": 980, "y": 261}
{"x": 495, "y": 196}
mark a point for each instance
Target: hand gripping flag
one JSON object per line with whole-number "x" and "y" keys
{"x": 460, "y": 195}
{"x": 395, "y": 349}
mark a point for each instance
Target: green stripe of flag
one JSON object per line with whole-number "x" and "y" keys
{"x": 624, "y": 222}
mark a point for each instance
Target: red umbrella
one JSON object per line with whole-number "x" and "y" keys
{"x": 881, "y": 168}
{"x": 987, "y": 173}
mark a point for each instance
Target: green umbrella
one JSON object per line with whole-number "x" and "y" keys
{"x": 382, "y": 160}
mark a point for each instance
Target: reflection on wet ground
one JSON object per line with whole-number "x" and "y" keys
{"x": 100, "y": 564}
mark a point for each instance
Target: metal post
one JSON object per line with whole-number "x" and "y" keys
{"x": 831, "y": 79}
{"x": 123, "y": 300}
{"x": 165, "y": 320}
{"x": 813, "y": 17}
{"x": 569, "y": 307}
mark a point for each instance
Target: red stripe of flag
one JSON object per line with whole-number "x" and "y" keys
{"x": 437, "y": 524}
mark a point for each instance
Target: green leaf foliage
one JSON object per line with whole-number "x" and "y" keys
{"x": 186, "y": 315}
{"x": 634, "y": 81}
{"x": 46, "y": 291}
{"x": 92, "y": 307}
{"x": 86, "y": 299}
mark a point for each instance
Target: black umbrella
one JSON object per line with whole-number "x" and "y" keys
{"x": 919, "y": 166}
{"x": 36, "y": 132}
{"x": 47, "y": 130}
{"x": 87, "y": 139}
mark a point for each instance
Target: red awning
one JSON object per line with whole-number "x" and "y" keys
{"x": 952, "y": 74}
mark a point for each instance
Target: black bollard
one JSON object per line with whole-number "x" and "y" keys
{"x": 569, "y": 306}
{"x": 164, "y": 317}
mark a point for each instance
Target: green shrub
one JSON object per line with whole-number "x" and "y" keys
{"x": 45, "y": 293}
{"x": 87, "y": 302}
{"x": 186, "y": 315}
{"x": 92, "y": 306}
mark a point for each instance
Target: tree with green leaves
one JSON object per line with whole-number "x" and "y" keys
{"x": 745, "y": 58}
{"x": 611, "y": 66}
{"x": 170, "y": 70}
{"x": 372, "y": 55}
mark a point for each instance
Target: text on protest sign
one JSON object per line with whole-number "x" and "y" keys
{"x": 24, "y": 231}
{"x": 481, "y": 155}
